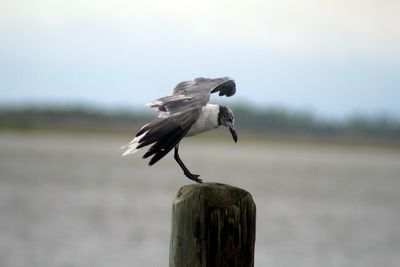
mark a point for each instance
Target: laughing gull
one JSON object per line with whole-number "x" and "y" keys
{"x": 185, "y": 112}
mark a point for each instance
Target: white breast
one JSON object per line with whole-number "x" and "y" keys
{"x": 207, "y": 120}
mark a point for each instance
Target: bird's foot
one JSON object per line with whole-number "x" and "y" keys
{"x": 194, "y": 177}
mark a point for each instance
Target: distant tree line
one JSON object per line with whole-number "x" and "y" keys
{"x": 273, "y": 121}
{"x": 71, "y": 118}
{"x": 283, "y": 121}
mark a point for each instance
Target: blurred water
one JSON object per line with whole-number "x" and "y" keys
{"x": 71, "y": 200}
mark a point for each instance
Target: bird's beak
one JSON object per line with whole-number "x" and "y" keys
{"x": 233, "y": 133}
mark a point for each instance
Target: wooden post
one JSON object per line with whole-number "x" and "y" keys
{"x": 212, "y": 225}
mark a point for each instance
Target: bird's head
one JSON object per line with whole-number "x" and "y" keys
{"x": 225, "y": 118}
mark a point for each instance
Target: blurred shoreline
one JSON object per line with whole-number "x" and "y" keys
{"x": 274, "y": 125}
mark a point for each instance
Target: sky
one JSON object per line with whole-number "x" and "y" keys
{"x": 334, "y": 58}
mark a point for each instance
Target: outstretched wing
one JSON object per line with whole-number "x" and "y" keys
{"x": 225, "y": 86}
{"x": 163, "y": 133}
{"x": 189, "y": 94}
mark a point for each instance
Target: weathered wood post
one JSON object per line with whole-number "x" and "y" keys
{"x": 212, "y": 225}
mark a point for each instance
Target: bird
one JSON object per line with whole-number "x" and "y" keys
{"x": 185, "y": 112}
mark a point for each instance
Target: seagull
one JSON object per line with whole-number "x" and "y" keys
{"x": 185, "y": 112}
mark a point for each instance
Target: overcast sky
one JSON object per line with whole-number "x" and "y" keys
{"x": 332, "y": 57}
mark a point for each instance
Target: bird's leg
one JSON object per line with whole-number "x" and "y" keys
{"x": 188, "y": 174}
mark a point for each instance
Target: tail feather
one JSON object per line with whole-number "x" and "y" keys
{"x": 164, "y": 132}
{"x": 132, "y": 147}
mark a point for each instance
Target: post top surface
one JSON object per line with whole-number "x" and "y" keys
{"x": 213, "y": 193}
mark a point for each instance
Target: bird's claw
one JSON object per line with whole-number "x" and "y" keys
{"x": 194, "y": 177}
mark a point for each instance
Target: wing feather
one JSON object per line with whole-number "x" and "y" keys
{"x": 193, "y": 93}
{"x": 166, "y": 133}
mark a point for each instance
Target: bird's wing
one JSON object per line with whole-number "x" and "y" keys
{"x": 225, "y": 86}
{"x": 166, "y": 133}
{"x": 193, "y": 93}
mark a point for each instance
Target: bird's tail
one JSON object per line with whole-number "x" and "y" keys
{"x": 132, "y": 147}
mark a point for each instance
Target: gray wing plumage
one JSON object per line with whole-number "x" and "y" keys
{"x": 195, "y": 93}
